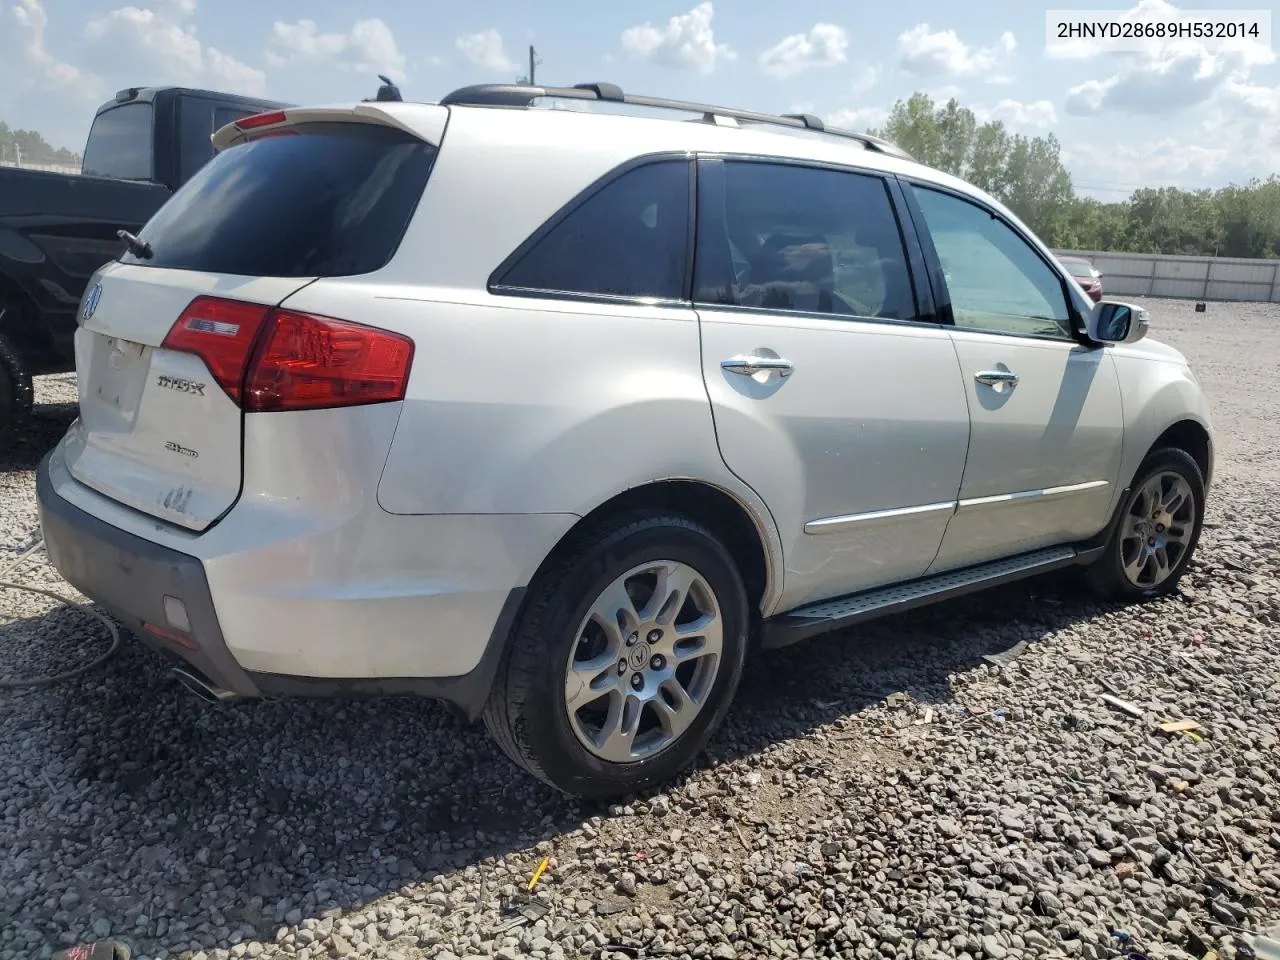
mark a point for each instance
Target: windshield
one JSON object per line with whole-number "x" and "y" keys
{"x": 119, "y": 144}
{"x": 1078, "y": 268}
{"x": 325, "y": 200}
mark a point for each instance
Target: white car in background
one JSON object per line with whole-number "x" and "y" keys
{"x": 557, "y": 415}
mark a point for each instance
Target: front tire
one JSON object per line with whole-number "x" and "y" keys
{"x": 625, "y": 659}
{"x": 1156, "y": 532}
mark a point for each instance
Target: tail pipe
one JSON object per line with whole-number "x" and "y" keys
{"x": 202, "y": 688}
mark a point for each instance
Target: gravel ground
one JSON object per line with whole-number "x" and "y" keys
{"x": 890, "y": 793}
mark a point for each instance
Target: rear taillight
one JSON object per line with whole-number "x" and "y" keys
{"x": 222, "y": 334}
{"x": 307, "y": 362}
{"x": 268, "y": 359}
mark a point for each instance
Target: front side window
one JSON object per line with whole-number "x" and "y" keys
{"x": 805, "y": 239}
{"x": 628, "y": 239}
{"x": 996, "y": 280}
{"x": 119, "y": 144}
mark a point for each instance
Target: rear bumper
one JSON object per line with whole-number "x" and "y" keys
{"x": 284, "y": 604}
{"x": 131, "y": 577}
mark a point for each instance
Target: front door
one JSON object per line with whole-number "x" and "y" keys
{"x": 845, "y": 414}
{"x": 1047, "y": 424}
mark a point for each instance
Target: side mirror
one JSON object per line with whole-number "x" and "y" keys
{"x": 1112, "y": 322}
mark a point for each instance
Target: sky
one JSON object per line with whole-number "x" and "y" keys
{"x": 1179, "y": 114}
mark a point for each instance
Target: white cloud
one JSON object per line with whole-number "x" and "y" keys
{"x": 686, "y": 41}
{"x": 1157, "y": 83}
{"x": 1159, "y": 162}
{"x": 1244, "y": 119}
{"x": 30, "y": 41}
{"x": 867, "y": 78}
{"x": 368, "y": 47}
{"x": 823, "y": 46}
{"x": 485, "y": 49}
{"x": 929, "y": 53}
{"x": 1015, "y": 113}
{"x": 857, "y": 118}
{"x": 1233, "y": 136}
{"x": 131, "y": 40}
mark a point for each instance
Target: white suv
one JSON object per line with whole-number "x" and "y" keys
{"x": 553, "y": 414}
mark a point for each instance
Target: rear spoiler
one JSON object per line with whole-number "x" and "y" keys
{"x": 423, "y": 120}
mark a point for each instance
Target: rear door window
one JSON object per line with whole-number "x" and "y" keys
{"x": 119, "y": 144}
{"x": 326, "y": 200}
{"x": 628, "y": 239}
{"x": 805, "y": 239}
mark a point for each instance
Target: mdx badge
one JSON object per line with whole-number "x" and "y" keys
{"x": 181, "y": 384}
{"x": 179, "y": 448}
{"x": 91, "y": 301}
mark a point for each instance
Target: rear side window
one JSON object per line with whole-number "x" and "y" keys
{"x": 790, "y": 238}
{"x": 119, "y": 144}
{"x": 330, "y": 200}
{"x": 628, "y": 239}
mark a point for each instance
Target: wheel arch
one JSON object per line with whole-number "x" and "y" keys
{"x": 1193, "y": 438}
{"x": 750, "y": 537}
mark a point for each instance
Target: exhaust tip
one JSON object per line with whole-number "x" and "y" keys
{"x": 203, "y": 688}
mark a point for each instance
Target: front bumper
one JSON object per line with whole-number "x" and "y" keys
{"x": 131, "y": 577}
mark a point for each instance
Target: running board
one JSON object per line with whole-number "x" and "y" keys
{"x": 827, "y": 615}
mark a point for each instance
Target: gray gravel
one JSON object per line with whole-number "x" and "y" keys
{"x": 887, "y": 794}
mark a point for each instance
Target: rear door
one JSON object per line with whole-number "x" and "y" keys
{"x": 166, "y": 336}
{"x": 1045, "y": 407}
{"x": 832, "y": 399}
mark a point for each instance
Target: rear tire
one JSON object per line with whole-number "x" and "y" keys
{"x": 1156, "y": 531}
{"x": 599, "y": 710}
{"x": 16, "y": 391}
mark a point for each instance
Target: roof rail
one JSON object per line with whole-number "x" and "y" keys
{"x": 523, "y": 95}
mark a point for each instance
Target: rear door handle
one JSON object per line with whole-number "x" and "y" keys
{"x": 994, "y": 377}
{"x": 749, "y": 365}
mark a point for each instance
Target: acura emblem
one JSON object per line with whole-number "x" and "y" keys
{"x": 91, "y": 301}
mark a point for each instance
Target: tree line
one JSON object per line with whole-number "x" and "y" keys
{"x": 32, "y": 148}
{"x": 1027, "y": 175}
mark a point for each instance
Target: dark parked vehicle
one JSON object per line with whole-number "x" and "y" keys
{"x": 1086, "y": 274}
{"x": 57, "y": 229}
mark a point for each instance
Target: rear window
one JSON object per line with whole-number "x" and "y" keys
{"x": 119, "y": 144}
{"x": 332, "y": 201}
{"x": 1078, "y": 268}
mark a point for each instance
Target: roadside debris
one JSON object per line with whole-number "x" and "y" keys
{"x": 1008, "y": 656}
{"x": 520, "y": 910}
{"x": 1123, "y": 705}
{"x": 538, "y": 873}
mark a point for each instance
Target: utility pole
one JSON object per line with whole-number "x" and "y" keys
{"x": 531, "y": 79}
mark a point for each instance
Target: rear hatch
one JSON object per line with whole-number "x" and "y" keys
{"x": 185, "y": 333}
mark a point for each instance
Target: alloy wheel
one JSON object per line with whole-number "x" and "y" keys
{"x": 644, "y": 661}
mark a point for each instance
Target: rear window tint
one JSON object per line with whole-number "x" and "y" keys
{"x": 628, "y": 239}
{"x": 333, "y": 201}
{"x": 119, "y": 143}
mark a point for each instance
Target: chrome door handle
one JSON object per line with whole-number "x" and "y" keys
{"x": 750, "y": 365}
{"x": 993, "y": 377}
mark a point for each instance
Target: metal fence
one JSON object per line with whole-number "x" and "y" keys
{"x": 1184, "y": 278}
{"x": 51, "y": 167}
